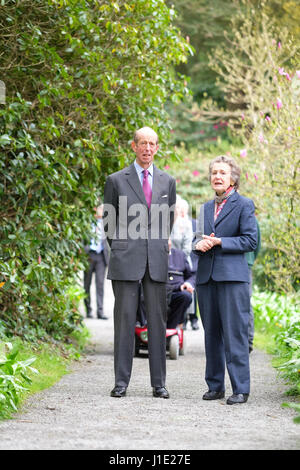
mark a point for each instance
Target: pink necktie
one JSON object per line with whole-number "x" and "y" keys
{"x": 147, "y": 188}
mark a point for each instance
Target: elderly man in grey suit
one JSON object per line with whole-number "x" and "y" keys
{"x": 139, "y": 204}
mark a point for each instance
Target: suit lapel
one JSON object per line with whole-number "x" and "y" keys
{"x": 133, "y": 180}
{"x": 229, "y": 205}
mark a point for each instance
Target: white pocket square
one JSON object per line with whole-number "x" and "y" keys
{"x": 165, "y": 195}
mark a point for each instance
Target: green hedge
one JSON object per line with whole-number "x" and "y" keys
{"x": 80, "y": 77}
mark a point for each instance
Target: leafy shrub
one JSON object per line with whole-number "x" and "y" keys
{"x": 279, "y": 315}
{"x": 296, "y": 407}
{"x": 80, "y": 78}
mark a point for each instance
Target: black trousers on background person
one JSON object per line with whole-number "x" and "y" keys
{"x": 98, "y": 266}
{"x": 177, "y": 304}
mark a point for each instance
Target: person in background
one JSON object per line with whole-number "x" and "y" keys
{"x": 97, "y": 252}
{"x": 182, "y": 232}
{"x": 182, "y": 237}
{"x": 222, "y": 281}
{"x": 180, "y": 288}
{"x": 191, "y": 313}
{"x": 251, "y": 257}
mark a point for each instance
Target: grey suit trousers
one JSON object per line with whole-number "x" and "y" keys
{"x": 126, "y": 303}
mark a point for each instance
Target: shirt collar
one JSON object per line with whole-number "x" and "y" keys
{"x": 139, "y": 169}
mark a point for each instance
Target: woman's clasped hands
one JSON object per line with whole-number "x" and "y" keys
{"x": 208, "y": 242}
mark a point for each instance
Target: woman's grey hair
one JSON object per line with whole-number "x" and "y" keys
{"x": 235, "y": 171}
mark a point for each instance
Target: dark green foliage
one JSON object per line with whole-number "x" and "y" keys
{"x": 80, "y": 77}
{"x": 204, "y": 22}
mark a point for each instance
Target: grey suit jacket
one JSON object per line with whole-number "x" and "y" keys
{"x": 135, "y": 234}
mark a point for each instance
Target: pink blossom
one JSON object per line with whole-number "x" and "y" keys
{"x": 298, "y": 73}
{"x": 279, "y": 103}
{"x": 247, "y": 176}
{"x": 243, "y": 116}
{"x": 255, "y": 176}
{"x": 279, "y": 45}
{"x": 216, "y": 126}
{"x": 268, "y": 119}
{"x": 261, "y": 139}
{"x": 196, "y": 173}
{"x": 243, "y": 153}
{"x": 167, "y": 167}
{"x": 282, "y": 72}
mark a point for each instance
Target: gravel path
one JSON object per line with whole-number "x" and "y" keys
{"x": 78, "y": 412}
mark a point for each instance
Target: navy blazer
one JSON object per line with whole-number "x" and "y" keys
{"x": 236, "y": 226}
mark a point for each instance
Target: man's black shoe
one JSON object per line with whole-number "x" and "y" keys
{"x": 160, "y": 392}
{"x": 212, "y": 395}
{"x": 237, "y": 398}
{"x": 118, "y": 392}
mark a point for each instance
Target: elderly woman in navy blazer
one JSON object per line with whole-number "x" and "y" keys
{"x": 228, "y": 231}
